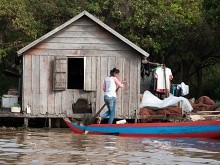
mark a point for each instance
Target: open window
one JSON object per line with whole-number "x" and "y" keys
{"x": 75, "y": 73}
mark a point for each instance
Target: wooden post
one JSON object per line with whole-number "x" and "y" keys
{"x": 49, "y": 122}
{"x": 135, "y": 114}
{"x": 25, "y": 122}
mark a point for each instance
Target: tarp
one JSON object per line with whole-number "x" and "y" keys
{"x": 153, "y": 102}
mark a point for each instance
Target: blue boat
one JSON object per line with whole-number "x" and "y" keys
{"x": 191, "y": 129}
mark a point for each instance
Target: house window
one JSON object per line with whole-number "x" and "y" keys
{"x": 75, "y": 70}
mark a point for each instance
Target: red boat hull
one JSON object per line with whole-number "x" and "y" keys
{"x": 195, "y": 129}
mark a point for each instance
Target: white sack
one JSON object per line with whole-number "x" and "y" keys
{"x": 153, "y": 102}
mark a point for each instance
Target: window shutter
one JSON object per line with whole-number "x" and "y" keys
{"x": 90, "y": 74}
{"x": 59, "y": 73}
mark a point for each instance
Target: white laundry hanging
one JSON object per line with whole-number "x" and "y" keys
{"x": 164, "y": 78}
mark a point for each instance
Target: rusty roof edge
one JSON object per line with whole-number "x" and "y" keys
{"x": 19, "y": 52}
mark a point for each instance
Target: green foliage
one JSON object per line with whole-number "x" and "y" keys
{"x": 212, "y": 79}
{"x": 51, "y": 13}
{"x": 3, "y": 52}
{"x": 16, "y": 23}
{"x": 174, "y": 32}
{"x": 212, "y": 11}
{"x": 18, "y": 28}
{"x": 7, "y": 83}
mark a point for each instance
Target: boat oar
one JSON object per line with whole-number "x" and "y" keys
{"x": 96, "y": 115}
{"x": 92, "y": 120}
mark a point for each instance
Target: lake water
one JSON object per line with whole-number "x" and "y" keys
{"x": 61, "y": 146}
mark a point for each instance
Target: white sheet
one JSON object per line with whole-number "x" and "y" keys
{"x": 153, "y": 102}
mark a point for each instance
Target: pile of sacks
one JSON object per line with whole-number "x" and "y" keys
{"x": 204, "y": 103}
{"x": 145, "y": 113}
{"x": 171, "y": 111}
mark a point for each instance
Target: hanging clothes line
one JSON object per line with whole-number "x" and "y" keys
{"x": 164, "y": 76}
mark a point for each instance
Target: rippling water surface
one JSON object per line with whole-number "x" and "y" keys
{"x": 61, "y": 146}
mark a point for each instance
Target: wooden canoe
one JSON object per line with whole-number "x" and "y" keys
{"x": 192, "y": 129}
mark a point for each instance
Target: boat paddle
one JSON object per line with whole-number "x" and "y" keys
{"x": 92, "y": 120}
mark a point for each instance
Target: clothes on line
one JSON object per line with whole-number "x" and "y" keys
{"x": 184, "y": 88}
{"x": 163, "y": 75}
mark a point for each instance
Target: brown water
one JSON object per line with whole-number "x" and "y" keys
{"x": 61, "y": 146}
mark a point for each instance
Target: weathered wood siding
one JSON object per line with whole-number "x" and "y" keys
{"x": 102, "y": 52}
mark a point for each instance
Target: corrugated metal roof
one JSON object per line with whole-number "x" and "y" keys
{"x": 84, "y": 13}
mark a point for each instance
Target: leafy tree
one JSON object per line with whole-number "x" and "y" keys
{"x": 51, "y": 13}
{"x": 212, "y": 11}
{"x": 17, "y": 27}
{"x": 23, "y": 21}
{"x": 183, "y": 34}
{"x": 174, "y": 32}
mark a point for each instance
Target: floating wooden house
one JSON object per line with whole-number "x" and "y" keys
{"x": 63, "y": 70}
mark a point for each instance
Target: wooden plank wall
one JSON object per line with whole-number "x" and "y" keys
{"x": 104, "y": 51}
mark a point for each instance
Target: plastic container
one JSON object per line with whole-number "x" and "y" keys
{"x": 121, "y": 121}
{"x": 9, "y": 101}
{"x": 16, "y": 109}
